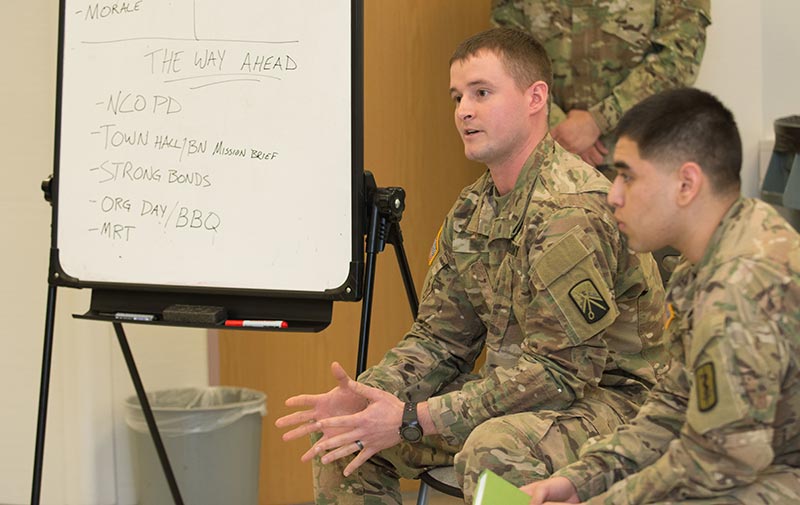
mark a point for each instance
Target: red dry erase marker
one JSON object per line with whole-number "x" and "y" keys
{"x": 245, "y": 323}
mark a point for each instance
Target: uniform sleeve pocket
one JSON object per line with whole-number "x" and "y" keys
{"x": 715, "y": 397}
{"x": 568, "y": 274}
{"x": 631, "y": 23}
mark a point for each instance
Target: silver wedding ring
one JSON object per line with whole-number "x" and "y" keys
{"x": 360, "y": 445}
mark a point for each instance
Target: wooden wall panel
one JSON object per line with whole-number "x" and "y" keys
{"x": 411, "y": 142}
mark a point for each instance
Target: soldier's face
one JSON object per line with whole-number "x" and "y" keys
{"x": 490, "y": 110}
{"x": 643, "y": 199}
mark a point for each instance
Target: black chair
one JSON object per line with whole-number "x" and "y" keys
{"x": 667, "y": 259}
{"x": 442, "y": 479}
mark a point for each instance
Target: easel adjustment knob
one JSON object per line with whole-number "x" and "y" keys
{"x": 391, "y": 202}
{"x": 47, "y": 188}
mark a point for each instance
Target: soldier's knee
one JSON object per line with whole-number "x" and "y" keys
{"x": 506, "y": 445}
{"x": 492, "y": 433}
{"x": 501, "y": 438}
{"x": 515, "y": 430}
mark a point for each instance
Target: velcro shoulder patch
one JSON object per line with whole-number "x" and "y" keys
{"x": 591, "y": 304}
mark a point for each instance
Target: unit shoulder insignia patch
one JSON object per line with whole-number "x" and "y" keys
{"x": 705, "y": 382}
{"x": 589, "y": 301}
{"x": 435, "y": 247}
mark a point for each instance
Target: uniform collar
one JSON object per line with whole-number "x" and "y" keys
{"x": 505, "y": 224}
{"x": 687, "y": 277}
{"x": 711, "y": 254}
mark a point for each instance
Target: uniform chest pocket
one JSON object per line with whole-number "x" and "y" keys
{"x": 478, "y": 287}
{"x": 490, "y": 293}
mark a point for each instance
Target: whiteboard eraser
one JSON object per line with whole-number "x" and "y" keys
{"x": 200, "y": 314}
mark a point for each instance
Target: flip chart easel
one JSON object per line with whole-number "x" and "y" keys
{"x": 207, "y": 154}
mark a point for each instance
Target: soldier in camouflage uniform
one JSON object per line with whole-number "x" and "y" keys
{"x": 529, "y": 265}
{"x": 723, "y": 425}
{"x": 607, "y": 56}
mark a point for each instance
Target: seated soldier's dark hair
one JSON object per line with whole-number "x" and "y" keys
{"x": 687, "y": 124}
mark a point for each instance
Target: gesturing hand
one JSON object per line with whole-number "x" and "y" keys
{"x": 339, "y": 401}
{"x": 352, "y": 418}
{"x": 368, "y": 431}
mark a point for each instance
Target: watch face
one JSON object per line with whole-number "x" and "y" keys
{"x": 411, "y": 433}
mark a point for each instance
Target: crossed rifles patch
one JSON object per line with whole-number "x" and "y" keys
{"x": 589, "y": 301}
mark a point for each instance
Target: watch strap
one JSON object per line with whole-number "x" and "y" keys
{"x": 410, "y": 413}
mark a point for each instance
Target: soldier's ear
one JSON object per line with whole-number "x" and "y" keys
{"x": 691, "y": 179}
{"x": 538, "y": 94}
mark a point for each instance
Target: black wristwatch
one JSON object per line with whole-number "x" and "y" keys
{"x": 410, "y": 430}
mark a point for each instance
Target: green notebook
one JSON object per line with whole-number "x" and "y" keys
{"x": 494, "y": 490}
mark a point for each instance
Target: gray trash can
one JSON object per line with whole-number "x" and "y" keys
{"x": 213, "y": 439}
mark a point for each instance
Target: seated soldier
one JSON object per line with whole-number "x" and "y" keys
{"x": 528, "y": 265}
{"x": 722, "y": 425}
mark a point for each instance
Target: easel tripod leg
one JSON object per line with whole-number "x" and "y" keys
{"x": 374, "y": 245}
{"x": 148, "y": 414}
{"x": 44, "y": 392}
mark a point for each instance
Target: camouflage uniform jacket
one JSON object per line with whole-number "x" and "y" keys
{"x": 610, "y": 54}
{"x": 545, "y": 282}
{"x": 729, "y": 407}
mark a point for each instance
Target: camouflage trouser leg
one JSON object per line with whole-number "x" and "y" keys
{"x": 526, "y": 447}
{"x": 377, "y": 480}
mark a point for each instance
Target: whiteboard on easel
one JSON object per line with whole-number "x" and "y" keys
{"x": 208, "y": 144}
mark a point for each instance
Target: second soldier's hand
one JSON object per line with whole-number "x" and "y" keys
{"x": 578, "y": 132}
{"x": 595, "y": 155}
{"x": 552, "y": 491}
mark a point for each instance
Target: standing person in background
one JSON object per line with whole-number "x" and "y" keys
{"x": 528, "y": 265}
{"x": 607, "y": 56}
{"x": 723, "y": 425}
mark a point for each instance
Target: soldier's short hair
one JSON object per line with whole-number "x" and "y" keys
{"x": 687, "y": 124}
{"x": 524, "y": 57}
